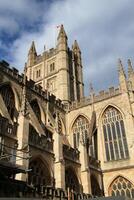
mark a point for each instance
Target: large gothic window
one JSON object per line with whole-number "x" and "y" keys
{"x": 9, "y": 100}
{"x": 80, "y": 130}
{"x": 114, "y": 135}
{"x": 36, "y": 109}
{"x": 121, "y": 187}
{"x": 39, "y": 174}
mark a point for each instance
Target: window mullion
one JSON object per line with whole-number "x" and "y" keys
{"x": 117, "y": 139}
{"x": 108, "y": 141}
{"x": 113, "y": 141}
{"x": 122, "y": 141}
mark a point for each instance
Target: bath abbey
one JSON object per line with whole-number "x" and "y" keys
{"x": 56, "y": 142}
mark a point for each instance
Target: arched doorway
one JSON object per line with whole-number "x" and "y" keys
{"x": 40, "y": 174}
{"x": 71, "y": 180}
{"x": 96, "y": 191}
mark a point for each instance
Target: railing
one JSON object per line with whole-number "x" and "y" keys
{"x": 96, "y": 98}
{"x": 70, "y": 153}
{"x": 42, "y": 142}
{"x": 57, "y": 193}
{"x": 6, "y": 128}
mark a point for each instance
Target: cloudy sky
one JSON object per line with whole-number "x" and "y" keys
{"x": 104, "y": 30}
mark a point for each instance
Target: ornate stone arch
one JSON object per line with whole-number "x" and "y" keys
{"x": 115, "y": 176}
{"x": 121, "y": 186}
{"x": 8, "y": 96}
{"x": 79, "y": 114}
{"x": 36, "y": 108}
{"x": 16, "y": 95}
{"x": 80, "y": 130}
{"x": 42, "y": 170}
{"x": 72, "y": 180}
{"x": 105, "y": 107}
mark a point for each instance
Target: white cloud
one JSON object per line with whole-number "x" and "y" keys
{"x": 104, "y": 30}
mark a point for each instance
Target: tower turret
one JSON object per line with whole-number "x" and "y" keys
{"x": 63, "y": 83}
{"x": 31, "y": 54}
{"x": 62, "y": 39}
{"x": 78, "y": 70}
{"x": 76, "y": 48}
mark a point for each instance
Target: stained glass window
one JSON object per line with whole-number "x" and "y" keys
{"x": 80, "y": 130}
{"x": 114, "y": 135}
{"x": 121, "y": 187}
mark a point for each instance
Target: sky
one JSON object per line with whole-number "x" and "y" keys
{"x": 104, "y": 30}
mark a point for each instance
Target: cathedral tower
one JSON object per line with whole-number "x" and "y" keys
{"x": 59, "y": 70}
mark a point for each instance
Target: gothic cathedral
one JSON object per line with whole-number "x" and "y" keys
{"x": 59, "y": 138}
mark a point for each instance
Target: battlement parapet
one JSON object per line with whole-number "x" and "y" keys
{"x": 50, "y": 53}
{"x": 46, "y": 55}
{"x": 45, "y": 94}
{"x": 39, "y": 59}
{"x": 12, "y": 72}
{"x": 96, "y": 98}
{"x": 30, "y": 84}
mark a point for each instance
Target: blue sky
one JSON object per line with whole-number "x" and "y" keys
{"x": 104, "y": 30}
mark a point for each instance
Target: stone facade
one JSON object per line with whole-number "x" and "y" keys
{"x": 68, "y": 141}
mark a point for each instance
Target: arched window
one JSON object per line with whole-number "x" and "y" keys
{"x": 9, "y": 100}
{"x": 80, "y": 130}
{"x": 36, "y": 109}
{"x": 121, "y": 187}
{"x": 39, "y": 174}
{"x": 114, "y": 135}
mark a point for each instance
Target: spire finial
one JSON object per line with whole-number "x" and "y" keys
{"x": 92, "y": 95}
{"x": 130, "y": 68}
{"x": 75, "y": 46}
{"x": 62, "y": 32}
{"x": 120, "y": 67}
{"x": 32, "y": 48}
{"x": 120, "y": 64}
{"x": 91, "y": 88}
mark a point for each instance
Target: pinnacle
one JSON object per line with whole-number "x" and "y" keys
{"x": 32, "y": 48}
{"x": 91, "y": 87}
{"x": 130, "y": 68}
{"x": 62, "y": 32}
{"x": 75, "y": 46}
{"x": 120, "y": 67}
{"x": 130, "y": 65}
